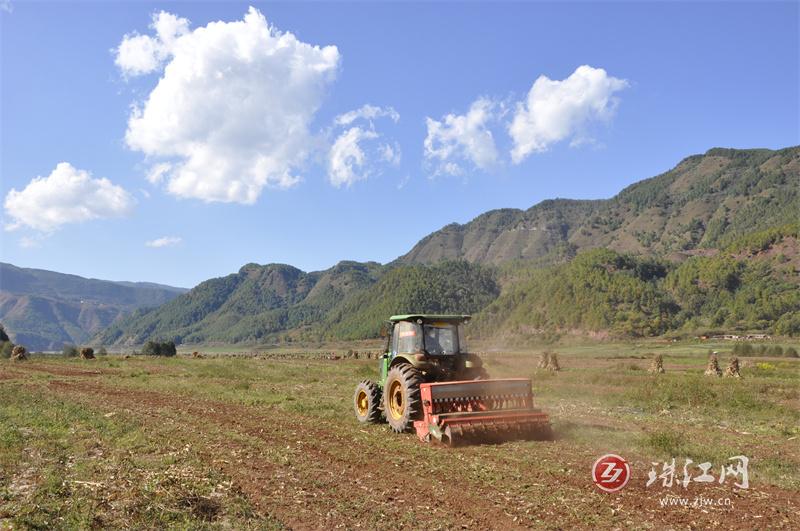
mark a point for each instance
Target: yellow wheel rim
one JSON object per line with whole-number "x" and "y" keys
{"x": 362, "y": 403}
{"x": 396, "y": 405}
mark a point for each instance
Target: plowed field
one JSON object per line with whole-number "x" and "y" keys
{"x": 272, "y": 443}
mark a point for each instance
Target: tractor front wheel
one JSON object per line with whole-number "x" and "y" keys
{"x": 367, "y": 402}
{"x": 401, "y": 401}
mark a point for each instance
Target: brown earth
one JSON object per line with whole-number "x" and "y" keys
{"x": 312, "y": 473}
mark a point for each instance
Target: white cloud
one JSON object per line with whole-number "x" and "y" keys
{"x": 232, "y": 110}
{"x": 403, "y": 181}
{"x": 353, "y": 154}
{"x": 557, "y": 110}
{"x": 391, "y": 153}
{"x": 142, "y": 54}
{"x": 6, "y": 6}
{"x": 450, "y": 168}
{"x": 67, "y": 195}
{"x": 466, "y": 137}
{"x": 367, "y": 112}
{"x": 346, "y": 159}
{"x": 157, "y": 172}
{"x": 165, "y": 241}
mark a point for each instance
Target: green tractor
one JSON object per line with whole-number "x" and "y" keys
{"x": 429, "y": 382}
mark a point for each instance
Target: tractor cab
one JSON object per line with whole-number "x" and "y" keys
{"x": 432, "y": 335}
{"x": 433, "y": 344}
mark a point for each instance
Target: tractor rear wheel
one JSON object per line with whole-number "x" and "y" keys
{"x": 367, "y": 402}
{"x": 401, "y": 401}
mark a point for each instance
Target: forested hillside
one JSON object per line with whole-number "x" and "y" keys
{"x": 752, "y": 285}
{"x": 278, "y": 302}
{"x": 254, "y": 304}
{"x": 446, "y": 287}
{"x": 705, "y": 202}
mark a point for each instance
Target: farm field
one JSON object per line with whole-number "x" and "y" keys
{"x": 270, "y": 442}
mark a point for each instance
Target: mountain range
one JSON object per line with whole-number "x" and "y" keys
{"x": 706, "y": 201}
{"x": 44, "y": 310}
{"x": 710, "y": 243}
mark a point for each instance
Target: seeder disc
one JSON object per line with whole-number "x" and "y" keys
{"x": 453, "y": 436}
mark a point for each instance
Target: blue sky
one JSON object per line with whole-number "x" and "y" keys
{"x": 666, "y": 80}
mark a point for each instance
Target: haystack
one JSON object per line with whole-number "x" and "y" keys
{"x": 733, "y": 368}
{"x": 544, "y": 360}
{"x": 712, "y": 369}
{"x": 657, "y": 365}
{"x": 19, "y": 353}
{"x": 87, "y": 353}
{"x": 552, "y": 363}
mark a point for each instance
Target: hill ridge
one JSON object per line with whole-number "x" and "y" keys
{"x": 691, "y": 214}
{"x": 736, "y": 179}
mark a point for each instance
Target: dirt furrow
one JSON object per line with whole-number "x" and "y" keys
{"x": 309, "y": 474}
{"x": 60, "y": 370}
{"x": 333, "y": 481}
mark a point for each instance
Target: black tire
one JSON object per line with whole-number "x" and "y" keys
{"x": 367, "y": 402}
{"x": 401, "y": 402}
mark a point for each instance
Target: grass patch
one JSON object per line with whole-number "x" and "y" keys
{"x": 602, "y": 401}
{"x": 65, "y": 466}
{"x": 667, "y": 443}
{"x": 719, "y": 398}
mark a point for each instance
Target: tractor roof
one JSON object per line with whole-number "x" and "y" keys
{"x": 430, "y": 317}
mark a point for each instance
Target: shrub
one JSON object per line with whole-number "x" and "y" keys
{"x": 775, "y": 350}
{"x": 102, "y": 351}
{"x": 790, "y": 352}
{"x": 743, "y": 349}
{"x": 70, "y": 351}
{"x": 168, "y": 349}
{"x": 159, "y": 348}
{"x": 5, "y": 349}
{"x": 151, "y": 348}
{"x": 788, "y": 324}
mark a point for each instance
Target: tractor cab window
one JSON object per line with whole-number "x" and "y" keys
{"x": 441, "y": 338}
{"x": 406, "y": 338}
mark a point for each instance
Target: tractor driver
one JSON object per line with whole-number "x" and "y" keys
{"x": 432, "y": 340}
